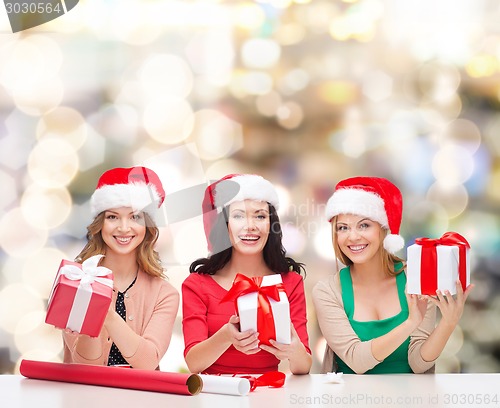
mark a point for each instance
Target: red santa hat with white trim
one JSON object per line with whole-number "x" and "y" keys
{"x": 375, "y": 198}
{"x": 137, "y": 187}
{"x": 232, "y": 188}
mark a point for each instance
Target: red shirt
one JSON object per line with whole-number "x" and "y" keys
{"x": 204, "y": 315}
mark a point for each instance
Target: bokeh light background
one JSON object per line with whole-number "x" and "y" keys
{"x": 303, "y": 92}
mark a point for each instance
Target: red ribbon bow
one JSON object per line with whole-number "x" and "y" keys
{"x": 243, "y": 285}
{"x": 273, "y": 379}
{"x": 429, "y": 260}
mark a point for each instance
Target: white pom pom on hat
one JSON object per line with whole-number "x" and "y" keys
{"x": 137, "y": 187}
{"x": 373, "y": 197}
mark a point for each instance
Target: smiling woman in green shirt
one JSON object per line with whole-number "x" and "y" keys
{"x": 370, "y": 325}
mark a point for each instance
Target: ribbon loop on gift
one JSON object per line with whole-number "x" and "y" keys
{"x": 89, "y": 273}
{"x": 429, "y": 260}
{"x": 243, "y": 285}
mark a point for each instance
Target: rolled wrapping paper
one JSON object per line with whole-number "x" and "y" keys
{"x": 217, "y": 384}
{"x": 145, "y": 380}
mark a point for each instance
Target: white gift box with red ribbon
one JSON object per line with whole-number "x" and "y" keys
{"x": 80, "y": 296}
{"x": 434, "y": 264}
{"x": 277, "y": 322}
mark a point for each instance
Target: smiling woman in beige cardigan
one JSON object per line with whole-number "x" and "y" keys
{"x": 369, "y": 323}
{"x": 138, "y": 326}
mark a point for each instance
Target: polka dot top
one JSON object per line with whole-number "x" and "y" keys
{"x": 115, "y": 356}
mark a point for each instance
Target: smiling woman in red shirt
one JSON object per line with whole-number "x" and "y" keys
{"x": 244, "y": 237}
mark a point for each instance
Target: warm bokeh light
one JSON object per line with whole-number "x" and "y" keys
{"x": 290, "y": 115}
{"x": 424, "y": 219}
{"x": 45, "y": 208}
{"x": 323, "y": 242}
{"x": 260, "y": 53}
{"x": 33, "y": 333}
{"x": 117, "y": 122}
{"x": 9, "y": 191}
{"x": 40, "y": 97}
{"x": 20, "y": 300}
{"x": 190, "y": 242}
{"x": 294, "y": 240}
{"x": 40, "y": 269}
{"x": 268, "y": 104}
{"x": 464, "y": 133}
{"x": 92, "y": 152}
{"x": 65, "y": 123}
{"x": 248, "y": 16}
{"x": 29, "y": 61}
{"x": 18, "y": 238}
{"x": 133, "y": 23}
{"x": 165, "y": 75}
{"x": 53, "y": 163}
{"x": 482, "y": 66}
{"x": 215, "y": 135}
{"x": 168, "y": 120}
{"x": 283, "y": 197}
{"x": 452, "y": 165}
{"x": 453, "y": 198}
{"x": 339, "y": 92}
{"x": 377, "y": 86}
{"x": 251, "y": 83}
{"x": 222, "y": 168}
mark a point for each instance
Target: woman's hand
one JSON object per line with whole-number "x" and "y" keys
{"x": 417, "y": 307}
{"x": 247, "y": 342}
{"x": 285, "y": 351}
{"x": 451, "y": 311}
{"x": 451, "y": 308}
{"x": 298, "y": 357}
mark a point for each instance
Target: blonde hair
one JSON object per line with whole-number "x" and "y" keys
{"x": 388, "y": 259}
{"x": 147, "y": 258}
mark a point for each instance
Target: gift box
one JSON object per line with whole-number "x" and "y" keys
{"x": 262, "y": 305}
{"x": 434, "y": 264}
{"x": 80, "y": 296}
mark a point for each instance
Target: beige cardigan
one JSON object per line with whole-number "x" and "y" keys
{"x": 342, "y": 340}
{"x": 151, "y": 306}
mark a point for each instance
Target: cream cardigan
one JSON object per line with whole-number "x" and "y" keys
{"x": 342, "y": 340}
{"x": 151, "y": 305}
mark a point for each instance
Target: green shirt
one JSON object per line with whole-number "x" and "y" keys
{"x": 395, "y": 363}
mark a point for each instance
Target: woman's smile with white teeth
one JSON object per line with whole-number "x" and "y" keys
{"x": 124, "y": 240}
{"x": 357, "y": 248}
{"x": 249, "y": 237}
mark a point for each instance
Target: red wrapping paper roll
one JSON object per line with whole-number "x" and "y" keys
{"x": 145, "y": 380}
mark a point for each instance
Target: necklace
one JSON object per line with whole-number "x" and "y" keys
{"x": 128, "y": 285}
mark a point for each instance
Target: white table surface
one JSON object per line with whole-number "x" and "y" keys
{"x": 407, "y": 390}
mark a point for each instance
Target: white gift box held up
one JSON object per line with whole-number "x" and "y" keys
{"x": 427, "y": 272}
{"x": 247, "y": 311}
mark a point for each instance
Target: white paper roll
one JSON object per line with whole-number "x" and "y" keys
{"x": 217, "y": 384}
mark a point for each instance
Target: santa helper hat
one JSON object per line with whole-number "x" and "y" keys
{"x": 372, "y": 197}
{"x": 232, "y": 188}
{"x": 137, "y": 187}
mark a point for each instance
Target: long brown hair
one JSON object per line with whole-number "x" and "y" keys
{"x": 147, "y": 258}
{"x": 388, "y": 259}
